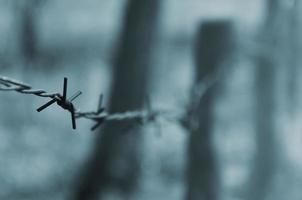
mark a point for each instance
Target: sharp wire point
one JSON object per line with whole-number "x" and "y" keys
{"x": 74, "y": 96}
{"x": 100, "y": 106}
{"x": 65, "y": 89}
{"x": 99, "y": 123}
{"x": 73, "y": 120}
{"x": 46, "y": 105}
{"x": 95, "y": 126}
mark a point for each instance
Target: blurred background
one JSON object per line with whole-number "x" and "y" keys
{"x": 227, "y": 73}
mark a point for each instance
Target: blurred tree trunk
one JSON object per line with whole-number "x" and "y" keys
{"x": 213, "y": 46}
{"x": 265, "y": 160}
{"x": 114, "y": 165}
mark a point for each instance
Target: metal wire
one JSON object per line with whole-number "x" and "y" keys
{"x": 8, "y": 84}
{"x": 144, "y": 116}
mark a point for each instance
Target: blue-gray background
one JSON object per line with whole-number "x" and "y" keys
{"x": 41, "y": 156}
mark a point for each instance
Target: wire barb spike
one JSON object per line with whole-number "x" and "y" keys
{"x": 100, "y": 116}
{"x": 64, "y": 103}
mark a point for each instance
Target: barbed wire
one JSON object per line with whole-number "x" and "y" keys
{"x": 8, "y": 84}
{"x": 100, "y": 115}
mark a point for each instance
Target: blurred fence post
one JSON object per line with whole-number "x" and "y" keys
{"x": 214, "y": 42}
{"x": 27, "y": 30}
{"x": 114, "y": 165}
{"x": 265, "y": 161}
{"x": 294, "y": 33}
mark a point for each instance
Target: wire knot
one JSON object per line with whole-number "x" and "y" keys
{"x": 64, "y": 103}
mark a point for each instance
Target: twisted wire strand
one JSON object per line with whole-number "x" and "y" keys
{"x": 144, "y": 116}
{"x": 8, "y": 84}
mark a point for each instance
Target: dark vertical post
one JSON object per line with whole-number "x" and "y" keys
{"x": 293, "y": 37}
{"x": 264, "y": 164}
{"x": 28, "y": 32}
{"x": 212, "y": 49}
{"x": 115, "y": 161}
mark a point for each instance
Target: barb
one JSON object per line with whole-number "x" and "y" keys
{"x": 100, "y": 116}
{"x": 64, "y": 103}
